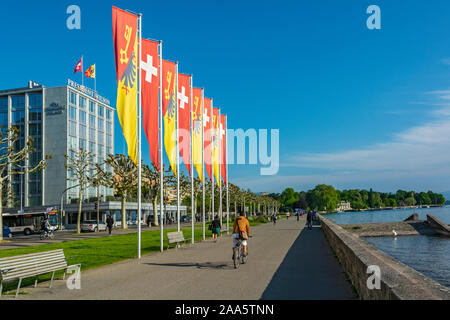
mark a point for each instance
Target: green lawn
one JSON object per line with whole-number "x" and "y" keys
{"x": 96, "y": 252}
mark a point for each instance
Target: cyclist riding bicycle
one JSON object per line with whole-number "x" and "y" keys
{"x": 46, "y": 225}
{"x": 240, "y": 226}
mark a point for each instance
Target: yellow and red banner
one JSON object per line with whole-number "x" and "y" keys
{"x": 184, "y": 119}
{"x": 125, "y": 49}
{"x": 197, "y": 112}
{"x": 223, "y": 147}
{"x": 169, "y": 70}
{"x": 150, "y": 85}
{"x": 90, "y": 72}
{"x": 207, "y": 125}
{"x": 216, "y": 144}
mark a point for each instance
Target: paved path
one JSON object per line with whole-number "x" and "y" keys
{"x": 286, "y": 261}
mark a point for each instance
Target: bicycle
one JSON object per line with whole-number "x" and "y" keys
{"x": 45, "y": 235}
{"x": 239, "y": 257}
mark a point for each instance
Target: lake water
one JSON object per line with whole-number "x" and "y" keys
{"x": 442, "y": 213}
{"x": 429, "y": 255}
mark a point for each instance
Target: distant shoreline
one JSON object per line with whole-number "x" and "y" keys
{"x": 385, "y": 208}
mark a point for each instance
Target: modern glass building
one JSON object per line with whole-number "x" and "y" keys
{"x": 59, "y": 119}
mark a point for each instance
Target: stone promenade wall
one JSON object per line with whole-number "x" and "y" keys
{"x": 398, "y": 281}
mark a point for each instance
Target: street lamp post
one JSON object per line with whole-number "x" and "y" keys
{"x": 62, "y": 205}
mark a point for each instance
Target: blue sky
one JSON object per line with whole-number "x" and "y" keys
{"x": 356, "y": 108}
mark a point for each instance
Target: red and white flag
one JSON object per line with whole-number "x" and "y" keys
{"x": 150, "y": 84}
{"x": 223, "y": 145}
{"x": 184, "y": 118}
{"x": 79, "y": 66}
{"x": 207, "y": 124}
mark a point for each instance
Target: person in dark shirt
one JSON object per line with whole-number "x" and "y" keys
{"x": 216, "y": 227}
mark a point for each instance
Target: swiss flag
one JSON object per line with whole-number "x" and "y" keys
{"x": 150, "y": 85}
{"x": 78, "y": 67}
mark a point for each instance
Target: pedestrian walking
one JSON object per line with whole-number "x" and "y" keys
{"x": 216, "y": 227}
{"x": 110, "y": 223}
{"x": 274, "y": 218}
{"x": 309, "y": 217}
{"x": 287, "y": 215}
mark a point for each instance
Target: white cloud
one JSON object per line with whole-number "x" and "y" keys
{"x": 422, "y": 152}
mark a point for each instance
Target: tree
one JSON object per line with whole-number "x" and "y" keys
{"x": 78, "y": 164}
{"x": 11, "y": 163}
{"x": 322, "y": 197}
{"x": 123, "y": 179}
{"x": 97, "y": 179}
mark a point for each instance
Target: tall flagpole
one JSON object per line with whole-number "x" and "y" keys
{"x": 139, "y": 137}
{"x": 212, "y": 160}
{"x": 220, "y": 169}
{"x": 192, "y": 166}
{"x": 203, "y": 167}
{"x": 82, "y": 71}
{"x": 178, "y": 157}
{"x": 226, "y": 172}
{"x": 161, "y": 171}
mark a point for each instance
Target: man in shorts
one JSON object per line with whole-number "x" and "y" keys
{"x": 241, "y": 224}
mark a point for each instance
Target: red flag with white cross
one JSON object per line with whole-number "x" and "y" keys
{"x": 150, "y": 85}
{"x": 184, "y": 119}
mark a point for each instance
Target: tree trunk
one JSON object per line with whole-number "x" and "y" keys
{"x": 235, "y": 210}
{"x": 124, "y": 211}
{"x": 98, "y": 208}
{"x": 194, "y": 214}
{"x": 80, "y": 203}
{"x": 155, "y": 215}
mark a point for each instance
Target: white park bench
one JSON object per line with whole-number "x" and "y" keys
{"x": 175, "y": 237}
{"x": 32, "y": 265}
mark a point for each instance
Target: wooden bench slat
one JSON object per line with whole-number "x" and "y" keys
{"x": 35, "y": 260}
{"x": 30, "y": 255}
{"x": 31, "y": 264}
{"x": 34, "y": 272}
{"x": 13, "y": 270}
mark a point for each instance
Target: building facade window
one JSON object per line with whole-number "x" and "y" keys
{"x": 72, "y": 113}
{"x": 82, "y": 117}
{"x": 101, "y": 138}
{"x": 91, "y": 134}
{"x": 101, "y": 111}
{"x": 92, "y": 107}
{"x": 92, "y": 147}
{"x": 82, "y": 144}
{"x": 72, "y": 128}
{"x": 35, "y": 100}
{"x": 18, "y": 102}
{"x": 82, "y": 132}
{"x": 73, "y": 98}
{"x": 101, "y": 125}
{"x": 82, "y": 102}
{"x": 108, "y": 127}
{"x": 91, "y": 121}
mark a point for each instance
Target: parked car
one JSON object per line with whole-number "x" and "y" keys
{"x": 185, "y": 218}
{"x": 7, "y": 232}
{"x": 91, "y": 225}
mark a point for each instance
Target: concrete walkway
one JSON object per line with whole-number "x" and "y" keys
{"x": 286, "y": 261}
